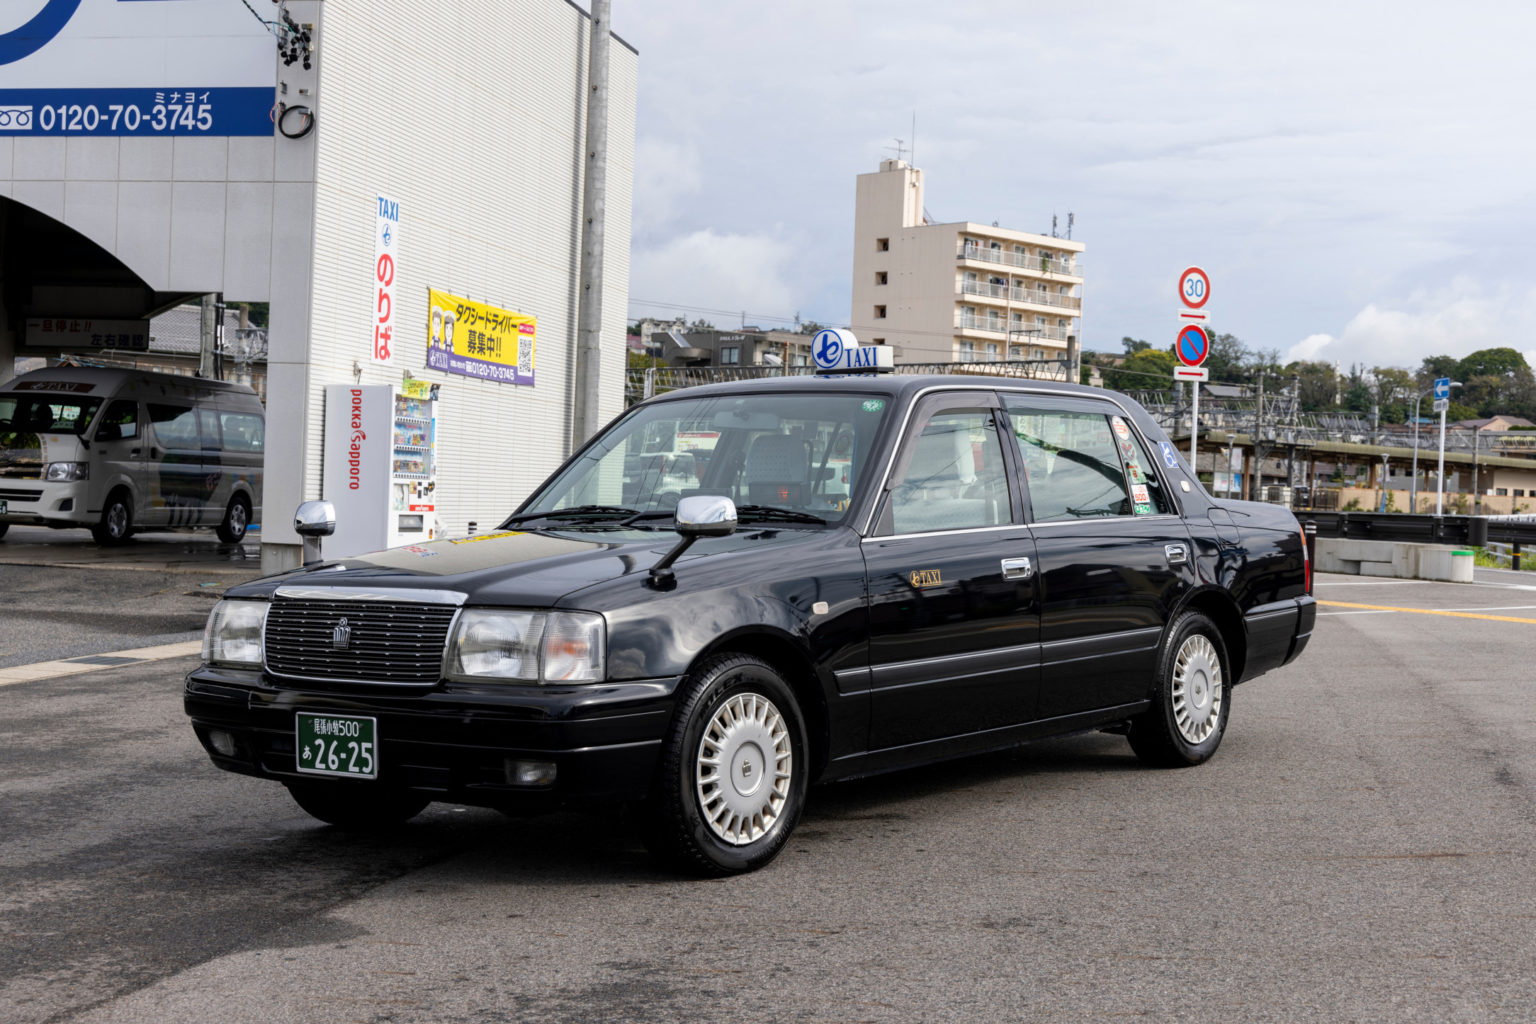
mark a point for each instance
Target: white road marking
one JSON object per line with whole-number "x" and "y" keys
{"x": 70, "y": 666}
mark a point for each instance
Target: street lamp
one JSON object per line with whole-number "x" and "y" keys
{"x": 1440, "y": 472}
{"x": 1413, "y": 500}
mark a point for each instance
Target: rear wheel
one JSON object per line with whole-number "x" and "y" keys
{"x": 116, "y": 523}
{"x": 1192, "y": 700}
{"x": 357, "y": 806}
{"x": 733, "y": 770}
{"x": 237, "y": 519}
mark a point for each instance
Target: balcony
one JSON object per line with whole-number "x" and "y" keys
{"x": 1024, "y": 260}
{"x": 990, "y": 324}
{"x": 985, "y": 290}
{"x": 1040, "y": 298}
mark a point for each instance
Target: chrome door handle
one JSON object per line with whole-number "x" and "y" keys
{"x": 1017, "y": 569}
{"x": 1177, "y": 554}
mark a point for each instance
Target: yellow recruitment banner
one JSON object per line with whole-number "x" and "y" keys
{"x": 473, "y": 339}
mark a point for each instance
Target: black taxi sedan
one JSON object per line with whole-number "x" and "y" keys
{"x": 734, "y": 591}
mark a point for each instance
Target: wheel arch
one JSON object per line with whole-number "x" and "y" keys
{"x": 1218, "y": 606}
{"x": 791, "y": 660}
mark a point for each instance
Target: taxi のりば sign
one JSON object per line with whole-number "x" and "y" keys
{"x": 838, "y": 351}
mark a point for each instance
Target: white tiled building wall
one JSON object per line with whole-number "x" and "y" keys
{"x": 479, "y": 137}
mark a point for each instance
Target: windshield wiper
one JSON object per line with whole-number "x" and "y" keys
{"x": 776, "y": 514}
{"x": 575, "y": 512}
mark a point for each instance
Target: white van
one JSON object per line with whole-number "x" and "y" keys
{"x": 120, "y": 451}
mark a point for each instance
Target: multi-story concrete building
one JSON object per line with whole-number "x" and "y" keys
{"x": 960, "y": 291}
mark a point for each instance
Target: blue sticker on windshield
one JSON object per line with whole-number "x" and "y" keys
{"x": 1170, "y": 457}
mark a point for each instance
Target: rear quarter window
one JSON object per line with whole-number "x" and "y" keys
{"x": 243, "y": 432}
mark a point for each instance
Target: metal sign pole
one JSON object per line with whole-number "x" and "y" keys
{"x": 1440, "y": 473}
{"x": 1194, "y": 427}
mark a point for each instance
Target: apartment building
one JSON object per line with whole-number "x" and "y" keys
{"x": 960, "y": 291}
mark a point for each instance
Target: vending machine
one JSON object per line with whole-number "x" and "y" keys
{"x": 380, "y": 465}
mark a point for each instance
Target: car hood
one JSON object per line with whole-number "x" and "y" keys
{"x": 535, "y": 568}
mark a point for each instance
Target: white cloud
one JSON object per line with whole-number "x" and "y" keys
{"x": 715, "y": 271}
{"x": 666, "y": 175}
{"x": 1455, "y": 319}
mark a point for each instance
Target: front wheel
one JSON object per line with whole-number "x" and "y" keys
{"x": 116, "y": 523}
{"x": 1192, "y": 700}
{"x": 357, "y": 806}
{"x": 3, "y": 528}
{"x": 733, "y": 770}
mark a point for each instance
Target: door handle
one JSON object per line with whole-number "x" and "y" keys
{"x": 1177, "y": 554}
{"x": 1017, "y": 569}
{"x": 133, "y": 451}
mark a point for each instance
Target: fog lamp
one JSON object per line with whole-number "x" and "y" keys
{"x": 531, "y": 773}
{"x": 222, "y": 742}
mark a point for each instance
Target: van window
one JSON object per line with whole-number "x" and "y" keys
{"x": 175, "y": 425}
{"x": 243, "y": 432}
{"x": 210, "y": 422}
{"x": 47, "y": 414}
{"x": 120, "y": 422}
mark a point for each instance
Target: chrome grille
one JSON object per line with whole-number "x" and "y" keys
{"x": 386, "y": 642}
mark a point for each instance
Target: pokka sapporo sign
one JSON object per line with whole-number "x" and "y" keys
{"x": 473, "y": 339}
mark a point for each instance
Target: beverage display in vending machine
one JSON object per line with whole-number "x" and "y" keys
{"x": 413, "y": 464}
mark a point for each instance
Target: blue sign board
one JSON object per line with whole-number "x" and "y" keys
{"x": 1442, "y": 388}
{"x": 213, "y": 111}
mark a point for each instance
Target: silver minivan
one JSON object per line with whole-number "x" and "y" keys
{"x": 119, "y": 451}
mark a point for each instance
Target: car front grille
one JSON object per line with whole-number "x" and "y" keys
{"x": 15, "y": 494}
{"x": 379, "y": 641}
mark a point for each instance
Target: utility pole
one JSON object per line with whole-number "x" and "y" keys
{"x": 208, "y": 351}
{"x": 587, "y": 413}
{"x": 1255, "y": 490}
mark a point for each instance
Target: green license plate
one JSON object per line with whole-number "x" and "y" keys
{"x": 337, "y": 745}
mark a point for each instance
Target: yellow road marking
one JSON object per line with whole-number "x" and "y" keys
{"x": 1425, "y": 611}
{"x": 67, "y": 667}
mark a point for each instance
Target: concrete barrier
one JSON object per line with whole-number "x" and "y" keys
{"x": 1395, "y": 559}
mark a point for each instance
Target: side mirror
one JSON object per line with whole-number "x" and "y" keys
{"x": 315, "y": 519}
{"x": 705, "y": 515}
{"x": 699, "y": 515}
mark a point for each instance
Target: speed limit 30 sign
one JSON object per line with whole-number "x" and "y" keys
{"x": 1194, "y": 288}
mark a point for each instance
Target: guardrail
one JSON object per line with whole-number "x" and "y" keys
{"x": 1476, "y": 530}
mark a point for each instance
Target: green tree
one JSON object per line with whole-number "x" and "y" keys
{"x": 1496, "y": 380}
{"x": 1134, "y": 345}
{"x": 1392, "y": 389}
{"x": 1435, "y": 367}
{"x": 1318, "y": 382}
{"x": 1148, "y": 368}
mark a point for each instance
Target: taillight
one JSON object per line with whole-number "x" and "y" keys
{"x": 1306, "y": 560}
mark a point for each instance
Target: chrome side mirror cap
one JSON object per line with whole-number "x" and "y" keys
{"x": 705, "y": 515}
{"x": 315, "y": 519}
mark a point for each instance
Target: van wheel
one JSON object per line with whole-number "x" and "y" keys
{"x": 237, "y": 518}
{"x": 116, "y": 524}
{"x": 3, "y": 528}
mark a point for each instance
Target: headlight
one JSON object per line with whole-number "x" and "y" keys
{"x": 233, "y": 634}
{"x": 529, "y": 647}
{"x": 67, "y": 471}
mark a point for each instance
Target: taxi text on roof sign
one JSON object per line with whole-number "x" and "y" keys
{"x": 838, "y": 351}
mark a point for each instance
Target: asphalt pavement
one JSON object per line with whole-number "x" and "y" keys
{"x": 1360, "y": 849}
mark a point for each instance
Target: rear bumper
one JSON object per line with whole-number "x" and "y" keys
{"x": 1277, "y": 633}
{"x": 455, "y": 745}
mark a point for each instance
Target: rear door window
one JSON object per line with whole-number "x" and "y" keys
{"x": 175, "y": 425}
{"x": 1073, "y": 466}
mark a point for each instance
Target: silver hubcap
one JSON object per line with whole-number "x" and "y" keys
{"x": 1197, "y": 689}
{"x": 743, "y": 768}
{"x": 237, "y": 518}
{"x": 117, "y": 519}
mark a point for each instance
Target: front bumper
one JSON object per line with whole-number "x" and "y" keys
{"x": 456, "y": 744}
{"x": 45, "y": 502}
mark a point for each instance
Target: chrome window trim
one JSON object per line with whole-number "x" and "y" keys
{"x": 946, "y": 533}
{"x": 400, "y": 595}
{"x": 1103, "y": 519}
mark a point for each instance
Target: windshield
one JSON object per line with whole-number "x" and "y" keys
{"x": 802, "y": 453}
{"x": 46, "y": 414}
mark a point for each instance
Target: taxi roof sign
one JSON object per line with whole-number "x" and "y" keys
{"x": 837, "y": 351}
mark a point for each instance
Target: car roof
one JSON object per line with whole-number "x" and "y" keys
{"x": 893, "y": 385}
{"x": 112, "y": 377}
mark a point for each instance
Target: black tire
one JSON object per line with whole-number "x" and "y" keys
{"x": 688, "y": 816}
{"x": 357, "y": 806}
{"x": 116, "y": 523}
{"x": 1184, "y": 694}
{"x": 237, "y": 519}
{"x": 4, "y": 527}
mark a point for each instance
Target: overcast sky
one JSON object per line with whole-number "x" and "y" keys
{"x": 1359, "y": 179}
